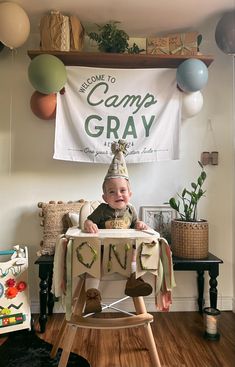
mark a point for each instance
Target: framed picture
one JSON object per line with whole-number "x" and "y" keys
{"x": 159, "y": 218}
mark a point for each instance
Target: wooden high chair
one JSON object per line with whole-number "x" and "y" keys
{"x": 77, "y": 319}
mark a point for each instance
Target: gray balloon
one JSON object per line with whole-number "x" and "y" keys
{"x": 225, "y": 33}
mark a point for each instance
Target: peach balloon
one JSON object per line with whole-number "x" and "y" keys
{"x": 43, "y": 105}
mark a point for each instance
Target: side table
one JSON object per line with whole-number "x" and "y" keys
{"x": 210, "y": 264}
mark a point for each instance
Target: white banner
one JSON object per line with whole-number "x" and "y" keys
{"x": 99, "y": 106}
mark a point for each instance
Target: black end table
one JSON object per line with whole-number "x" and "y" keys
{"x": 210, "y": 264}
{"x": 46, "y": 298}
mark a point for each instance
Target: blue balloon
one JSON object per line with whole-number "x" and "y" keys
{"x": 192, "y": 75}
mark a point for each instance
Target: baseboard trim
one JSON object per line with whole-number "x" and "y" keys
{"x": 179, "y": 304}
{"x": 233, "y": 302}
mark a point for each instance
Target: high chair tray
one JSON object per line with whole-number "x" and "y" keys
{"x": 118, "y": 233}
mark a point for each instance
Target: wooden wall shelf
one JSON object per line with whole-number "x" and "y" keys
{"x": 128, "y": 61}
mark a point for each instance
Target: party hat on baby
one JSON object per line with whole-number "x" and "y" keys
{"x": 118, "y": 166}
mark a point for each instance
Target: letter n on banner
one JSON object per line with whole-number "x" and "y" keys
{"x": 147, "y": 260}
{"x": 117, "y": 256}
{"x": 86, "y": 256}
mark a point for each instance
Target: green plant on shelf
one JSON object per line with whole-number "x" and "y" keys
{"x": 111, "y": 39}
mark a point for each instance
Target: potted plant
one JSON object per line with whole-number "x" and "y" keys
{"x": 113, "y": 40}
{"x": 189, "y": 234}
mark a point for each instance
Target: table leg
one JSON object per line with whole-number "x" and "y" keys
{"x": 44, "y": 273}
{"x": 200, "y": 287}
{"x": 50, "y": 296}
{"x": 214, "y": 272}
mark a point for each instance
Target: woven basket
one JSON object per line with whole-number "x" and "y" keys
{"x": 189, "y": 239}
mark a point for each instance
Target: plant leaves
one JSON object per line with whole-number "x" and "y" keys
{"x": 173, "y": 204}
{"x": 189, "y": 199}
{"x": 203, "y": 175}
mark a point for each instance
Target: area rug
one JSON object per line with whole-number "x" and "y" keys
{"x": 25, "y": 349}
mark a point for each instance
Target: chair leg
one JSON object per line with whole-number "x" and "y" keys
{"x": 150, "y": 343}
{"x": 78, "y": 291}
{"x": 70, "y": 335}
{"x": 58, "y": 339}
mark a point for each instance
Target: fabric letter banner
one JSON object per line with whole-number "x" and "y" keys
{"x": 100, "y": 105}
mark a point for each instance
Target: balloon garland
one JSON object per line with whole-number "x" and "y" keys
{"x": 48, "y": 75}
{"x": 191, "y": 76}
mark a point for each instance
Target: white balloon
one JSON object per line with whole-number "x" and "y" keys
{"x": 14, "y": 25}
{"x": 191, "y": 104}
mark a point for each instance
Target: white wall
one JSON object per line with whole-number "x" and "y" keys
{"x": 28, "y": 174}
{"x": 234, "y": 190}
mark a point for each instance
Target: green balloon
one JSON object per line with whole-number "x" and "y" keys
{"x": 47, "y": 74}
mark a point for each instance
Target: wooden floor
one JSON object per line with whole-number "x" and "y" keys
{"x": 178, "y": 335}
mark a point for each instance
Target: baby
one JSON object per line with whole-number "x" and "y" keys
{"x": 115, "y": 213}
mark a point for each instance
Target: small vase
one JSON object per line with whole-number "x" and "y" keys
{"x": 189, "y": 239}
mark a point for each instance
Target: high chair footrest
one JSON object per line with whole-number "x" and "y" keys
{"x": 111, "y": 323}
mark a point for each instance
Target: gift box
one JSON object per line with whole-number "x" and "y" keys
{"x": 60, "y": 32}
{"x": 183, "y": 43}
{"x": 140, "y": 42}
{"x": 158, "y": 45}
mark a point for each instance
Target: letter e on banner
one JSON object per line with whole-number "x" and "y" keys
{"x": 147, "y": 256}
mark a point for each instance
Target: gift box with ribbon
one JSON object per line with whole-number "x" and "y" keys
{"x": 158, "y": 45}
{"x": 183, "y": 43}
{"x": 61, "y": 32}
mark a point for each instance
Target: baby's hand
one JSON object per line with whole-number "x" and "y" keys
{"x": 90, "y": 227}
{"x": 141, "y": 225}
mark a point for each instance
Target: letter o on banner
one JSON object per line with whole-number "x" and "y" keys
{"x": 192, "y": 75}
{"x": 225, "y": 33}
{"x": 14, "y": 25}
{"x": 43, "y": 105}
{"x": 47, "y": 74}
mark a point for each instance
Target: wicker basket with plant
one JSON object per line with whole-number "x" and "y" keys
{"x": 189, "y": 235}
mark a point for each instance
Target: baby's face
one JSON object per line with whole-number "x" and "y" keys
{"x": 117, "y": 193}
